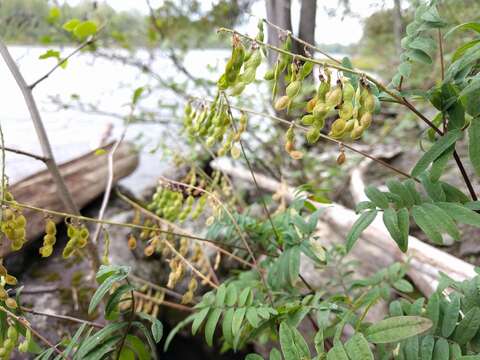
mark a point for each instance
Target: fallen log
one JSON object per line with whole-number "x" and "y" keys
{"x": 375, "y": 249}
{"x": 85, "y": 178}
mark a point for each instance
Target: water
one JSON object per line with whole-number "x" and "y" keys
{"x": 106, "y": 83}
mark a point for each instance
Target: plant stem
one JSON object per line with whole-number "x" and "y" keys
{"x": 62, "y": 317}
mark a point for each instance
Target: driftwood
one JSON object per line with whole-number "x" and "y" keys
{"x": 85, "y": 178}
{"x": 375, "y": 249}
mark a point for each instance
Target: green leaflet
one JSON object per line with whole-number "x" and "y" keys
{"x": 238, "y": 319}
{"x": 337, "y": 352}
{"x": 441, "y": 350}
{"x": 301, "y": 344}
{"x": 434, "y": 189}
{"x": 468, "y": 326}
{"x": 461, "y": 213}
{"x": 396, "y": 329}
{"x": 439, "y": 164}
{"x": 211, "y": 325}
{"x": 450, "y": 311}
{"x": 357, "y": 348}
{"x": 427, "y": 224}
{"x": 426, "y": 348}
{"x": 475, "y": 26}
{"x": 361, "y": 224}
{"x": 474, "y": 144}
{"x": 433, "y": 310}
{"x": 397, "y": 224}
{"x": 227, "y": 326}
{"x": 287, "y": 342}
{"x": 397, "y": 188}
{"x": 410, "y": 186}
{"x": 377, "y": 197}
{"x": 253, "y": 357}
{"x": 198, "y": 319}
{"x": 252, "y": 317}
{"x": 443, "y": 220}
{"x": 453, "y": 194}
{"x": 275, "y": 354}
{"x": 436, "y": 150}
{"x": 411, "y": 347}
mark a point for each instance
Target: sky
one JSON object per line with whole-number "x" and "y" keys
{"x": 329, "y": 29}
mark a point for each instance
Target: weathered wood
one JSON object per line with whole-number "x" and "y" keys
{"x": 85, "y": 178}
{"x": 375, "y": 249}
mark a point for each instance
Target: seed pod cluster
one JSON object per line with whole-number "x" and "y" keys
{"x": 234, "y": 64}
{"x": 216, "y": 125}
{"x": 297, "y": 75}
{"x": 188, "y": 296}
{"x": 290, "y": 144}
{"x": 9, "y": 343}
{"x": 354, "y": 109}
{"x": 49, "y": 239}
{"x": 78, "y": 238}
{"x": 283, "y": 60}
{"x": 14, "y": 227}
{"x": 177, "y": 271}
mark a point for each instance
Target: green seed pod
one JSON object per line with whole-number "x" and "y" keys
{"x": 46, "y": 250}
{"x": 10, "y": 280}
{"x": 311, "y": 104}
{"x": 20, "y": 221}
{"x": 348, "y": 91}
{"x": 366, "y": 120}
{"x": 237, "y": 89}
{"x": 3, "y": 294}
{"x": 313, "y": 135}
{"x": 68, "y": 251}
{"x": 8, "y": 344}
{"x": 346, "y": 111}
{"x": 306, "y": 69}
{"x": 249, "y": 75}
{"x": 321, "y": 109}
{"x": 49, "y": 240}
{"x": 8, "y": 214}
{"x": 357, "y": 131}
{"x": 319, "y": 123}
{"x": 350, "y": 124}
{"x": 255, "y": 61}
{"x": 334, "y": 97}
{"x": 248, "y": 55}
{"x": 17, "y": 244}
{"x": 235, "y": 152}
{"x": 12, "y": 304}
{"x": 82, "y": 242}
{"x": 222, "y": 83}
{"x": 322, "y": 90}
{"x": 307, "y": 119}
{"x": 12, "y": 333}
{"x": 50, "y": 227}
{"x": 71, "y": 231}
{"x": 269, "y": 75}
{"x": 293, "y": 89}
{"x": 369, "y": 103}
{"x": 84, "y": 233}
{"x": 19, "y": 233}
{"x": 338, "y": 127}
{"x": 282, "y": 103}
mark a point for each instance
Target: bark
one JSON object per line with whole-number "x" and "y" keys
{"x": 279, "y": 13}
{"x": 306, "y": 28}
{"x": 397, "y": 25}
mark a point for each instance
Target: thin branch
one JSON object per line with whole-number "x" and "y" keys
{"x": 111, "y": 175}
{"x": 89, "y": 41}
{"x": 163, "y": 302}
{"x": 189, "y": 264}
{"x": 303, "y": 42}
{"x": 62, "y": 190}
{"x": 25, "y": 153}
{"x": 62, "y": 317}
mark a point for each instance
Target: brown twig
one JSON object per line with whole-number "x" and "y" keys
{"x": 25, "y": 153}
{"x": 62, "y": 317}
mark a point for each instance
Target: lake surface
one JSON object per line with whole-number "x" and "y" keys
{"x": 106, "y": 83}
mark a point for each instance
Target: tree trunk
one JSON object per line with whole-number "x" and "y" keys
{"x": 397, "y": 26}
{"x": 306, "y": 28}
{"x": 278, "y": 13}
